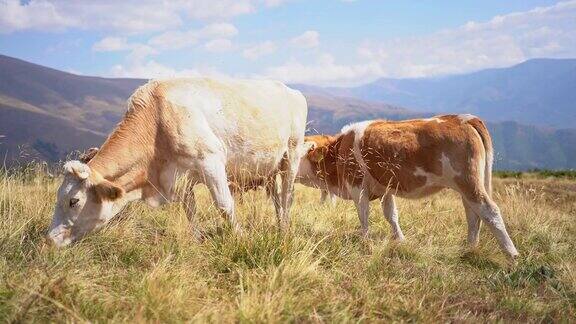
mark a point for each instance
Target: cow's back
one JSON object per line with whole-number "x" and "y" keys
{"x": 252, "y": 121}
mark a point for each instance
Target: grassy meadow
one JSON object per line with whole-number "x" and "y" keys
{"x": 145, "y": 266}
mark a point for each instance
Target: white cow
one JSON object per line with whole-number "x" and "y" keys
{"x": 215, "y": 131}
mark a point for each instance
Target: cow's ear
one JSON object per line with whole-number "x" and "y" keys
{"x": 88, "y": 155}
{"x": 78, "y": 169}
{"x": 317, "y": 154}
{"x": 106, "y": 190}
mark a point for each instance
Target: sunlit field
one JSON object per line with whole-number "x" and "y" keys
{"x": 146, "y": 266}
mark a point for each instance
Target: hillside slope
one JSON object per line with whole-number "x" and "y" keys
{"x": 28, "y": 135}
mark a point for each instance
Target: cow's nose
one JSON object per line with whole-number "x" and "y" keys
{"x": 59, "y": 237}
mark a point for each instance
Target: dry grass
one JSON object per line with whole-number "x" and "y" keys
{"x": 146, "y": 267}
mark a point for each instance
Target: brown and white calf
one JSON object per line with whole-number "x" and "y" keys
{"x": 215, "y": 131}
{"x": 381, "y": 159}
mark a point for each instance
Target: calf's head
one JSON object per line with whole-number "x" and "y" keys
{"x": 85, "y": 202}
{"x": 312, "y": 164}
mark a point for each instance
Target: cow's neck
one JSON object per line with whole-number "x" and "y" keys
{"x": 128, "y": 151}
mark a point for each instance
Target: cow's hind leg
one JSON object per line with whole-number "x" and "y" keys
{"x": 288, "y": 168}
{"x": 391, "y": 213}
{"x": 189, "y": 201}
{"x": 272, "y": 193}
{"x": 217, "y": 182}
{"x": 473, "y": 221}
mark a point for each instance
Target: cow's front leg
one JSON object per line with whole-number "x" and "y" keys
{"x": 391, "y": 214}
{"x": 216, "y": 180}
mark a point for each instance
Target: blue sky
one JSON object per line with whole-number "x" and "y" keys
{"x": 324, "y": 42}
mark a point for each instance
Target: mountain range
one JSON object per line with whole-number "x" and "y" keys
{"x": 45, "y": 114}
{"x": 539, "y": 92}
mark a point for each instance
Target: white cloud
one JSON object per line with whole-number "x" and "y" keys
{"x": 149, "y": 70}
{"x": 273, "y": 3}
{"x": 309, "y": 39}
{"x": 138, "y": 52}
{"x": 219, "y": 45}
{"x": 126, "y": 17}
{"x": 204, "y": 9}
{"x": 152, "y": 69}
{"x": 325, "y": 71}
{"x": 174, "y": 40}
{"x": 220, "y": 30}
{"x": 182, "y": 39}
{"x": 502, "y": 41}
{"x": 258, "y": 50}
{"x": 112, "y": 44}
{"x": 36, "y": 14}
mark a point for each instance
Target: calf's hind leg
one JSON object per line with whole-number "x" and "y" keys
{"x": 473, "y": 221}
{"x": 489, "y": 212}
{"x": 391, "y": 213}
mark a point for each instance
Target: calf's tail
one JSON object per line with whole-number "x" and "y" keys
{"x": 481, "y": 129}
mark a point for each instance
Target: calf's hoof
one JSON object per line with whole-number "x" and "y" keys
{"x": 398, "y": 237}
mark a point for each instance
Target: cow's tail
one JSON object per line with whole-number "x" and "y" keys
{"x": 481, "y": 129}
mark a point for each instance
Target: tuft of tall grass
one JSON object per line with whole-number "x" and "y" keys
{"x": 147, "y": 267}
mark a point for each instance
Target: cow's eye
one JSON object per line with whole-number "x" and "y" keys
{"x": 74, "y": 202}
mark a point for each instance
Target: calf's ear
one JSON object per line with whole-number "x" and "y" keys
{"x": 309, "y": 146}
{"x": 107, "y": 190}
{"x": 306, "y": 147}
{"x": 317, "y": 154}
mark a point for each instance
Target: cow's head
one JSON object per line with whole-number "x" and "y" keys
{"x": 85, "y": 202}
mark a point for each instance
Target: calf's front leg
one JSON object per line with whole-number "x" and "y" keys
{"x": 328, "y": 197}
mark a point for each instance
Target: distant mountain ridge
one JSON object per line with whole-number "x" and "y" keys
{"x": 540, "y": 92}
{"x": 45, "y": 114}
